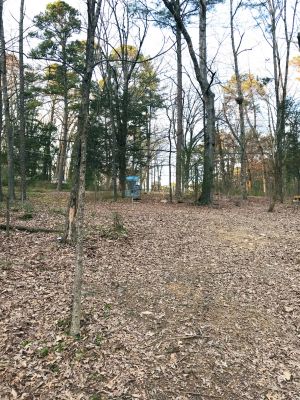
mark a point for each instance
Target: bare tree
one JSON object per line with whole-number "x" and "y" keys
{"x": 205, "y": 81}
{"x": 124, "y": 58}
{"x": 93, "y": 13}
{"x": 193, "y": 132}
{"x": 278, "y": 19}
{"x": 236, "y": 49}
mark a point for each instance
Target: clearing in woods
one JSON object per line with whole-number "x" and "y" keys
{"x": 187, "y": 303}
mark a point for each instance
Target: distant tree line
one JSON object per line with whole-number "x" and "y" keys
{"x": 238, "y": 136}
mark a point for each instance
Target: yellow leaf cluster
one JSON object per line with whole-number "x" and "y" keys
{"x": 250, "y": 86}
{"x": 295, "y": 62}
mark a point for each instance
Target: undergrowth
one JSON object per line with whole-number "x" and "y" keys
{"x": 116, "y": 230}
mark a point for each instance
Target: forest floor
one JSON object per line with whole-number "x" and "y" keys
{"x": 190, "y": 303}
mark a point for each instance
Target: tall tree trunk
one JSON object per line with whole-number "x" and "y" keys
{"x": 170, "y": 173}
{"x": 281, "y": 69}
{"x": 47, "y": 160}
{"x": 201, "y": 72}
{"x": 209, "y": 110}
{"x": 113, "y": 131}
{"x": 8, "y": 125}
{"x": 1, "y": 131}
{"x": 70, "y": 224}
{"x": 122, "y": 142}
{"x": 22, "y": 105}
{"x": 222, "y": 163}
{"x": 114, "y": 148}
{"x": 179, "y": 107}
{"x": 122, "y": 160}
{"x": 63, "y": 147}
{"x": 93, "y": 9}
{"x": 260, "y": 147}
{"x": 148, "y": 144}
{"x": 240, "y": 101}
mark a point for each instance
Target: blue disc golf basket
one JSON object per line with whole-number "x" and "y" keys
{"x": 133, "y": 188}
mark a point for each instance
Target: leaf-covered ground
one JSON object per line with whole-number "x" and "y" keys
{"x": 193, "y": 303}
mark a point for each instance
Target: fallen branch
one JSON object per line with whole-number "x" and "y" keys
{"x": 210, "y": 396}
{"x": 29, "y": 229}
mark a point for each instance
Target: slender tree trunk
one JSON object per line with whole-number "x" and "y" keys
{"x": 8, "y": 125}
{"x": 222, "y": 163}
{"x": 179, "y": 106}
{"x": 114, "y": 153}
{"x": 260, "y": 147}
{"x": 196, "y": 183}
{"x": 281, "y": 69}
{"x": 1, "y": 131}
{"x": 122, "y": 161}
{"x": 22, "y": 106}
{"x": 114, "y": 134}
{"x": 70, "y": 224}
{"x": 148, "y": 139}
{"x": 63, "y": 147}
{"x": 93, "y": 9}
{"x": 240, "y": 101}
{"x": 122, "y": 140}
{"x": 47, "y": 161}
{"x": 171, "y": 123}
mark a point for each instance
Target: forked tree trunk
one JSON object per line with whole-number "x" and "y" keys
{"x": 201, "y": 72}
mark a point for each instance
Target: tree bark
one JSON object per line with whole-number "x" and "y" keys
{"x": 22, "y": 106}
{"x": 148, "y": 143}
{"x": 240, "y": 102}
{"x": 63, "y": 147}
{"x": 8, "y": 126}
{"x": 209, "y": 102}
{"x": 114, "y": 134}
{"x": 179, "y": 106}
{"x": 47, "y": 160}
{"x": 93, "y": 10}
{"x": 1, "y": 131}
{"x": 280, "y": 84}
{"x": 70, "y": 224}
{"x": 200, "y": 68}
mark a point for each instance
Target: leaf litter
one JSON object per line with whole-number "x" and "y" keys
{"x": 192, "y": 303}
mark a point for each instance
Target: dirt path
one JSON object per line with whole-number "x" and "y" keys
{"x": 194, "y": 304}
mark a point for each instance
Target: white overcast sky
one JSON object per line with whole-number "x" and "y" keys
{"x": 256, "y": 60}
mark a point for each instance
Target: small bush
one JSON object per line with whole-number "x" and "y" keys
{"x": 43, "y": 352}
{"x": 26, "y": 216}
{"x": 116, "y": 231}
